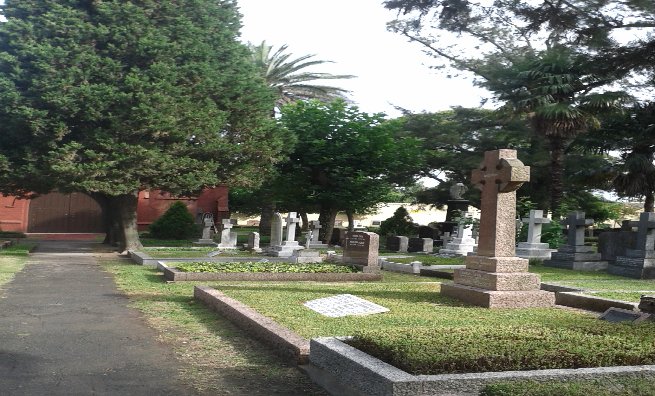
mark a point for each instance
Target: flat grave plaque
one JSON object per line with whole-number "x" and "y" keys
{"x": 344, "y": 305}
{"x": 616, "y": 315}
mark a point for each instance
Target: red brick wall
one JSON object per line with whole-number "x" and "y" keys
{"x": 13, "y": 214}
{"x": 153, "y": 204}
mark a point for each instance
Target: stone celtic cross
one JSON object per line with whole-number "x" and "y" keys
{"x": 499, "y": 176}
{"x": 227, "y": 224}
{"x": 577, "y": 223}
{"x": 534, "y": 223}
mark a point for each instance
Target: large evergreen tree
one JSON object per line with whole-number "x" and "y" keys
{"x": 113, "y": 97}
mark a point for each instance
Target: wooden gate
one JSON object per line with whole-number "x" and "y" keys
{"x": 65, "y": 213}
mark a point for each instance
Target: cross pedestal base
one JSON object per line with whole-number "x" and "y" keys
{"x": 499, "y": 299}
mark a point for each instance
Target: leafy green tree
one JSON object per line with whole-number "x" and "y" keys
{"x": 345, "y": 160}
{"x": 400, "y": 223}
{"x": 110, "y": 98}
{"x": 176, "y": 223}
{"x": 542, "y": 74}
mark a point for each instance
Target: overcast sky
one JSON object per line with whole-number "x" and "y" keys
{"x": 352, "y": 33}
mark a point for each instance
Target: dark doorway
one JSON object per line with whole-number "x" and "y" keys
{"x": 65, "y": 213}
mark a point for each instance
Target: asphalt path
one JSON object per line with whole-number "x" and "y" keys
{"x": 66, "y": 330}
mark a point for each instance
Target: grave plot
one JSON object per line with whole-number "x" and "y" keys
{"x": 151, "y": 255}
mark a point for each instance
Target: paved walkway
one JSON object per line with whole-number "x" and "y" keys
{"x": 66, "y": 330}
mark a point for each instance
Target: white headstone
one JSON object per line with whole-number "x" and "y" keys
{"x": 277, "y": 229}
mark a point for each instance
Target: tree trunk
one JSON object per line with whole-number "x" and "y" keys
{"x": 649, "y": 202}
{"x": 305, "y": 221}
{"x": 266, "y": 218}
{"x": 351, "y": 220}
{"x": 327, "y": 215}
{"x": 124, "y": 209}
{"x": 557, "y": 175}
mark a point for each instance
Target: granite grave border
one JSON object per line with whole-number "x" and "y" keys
{"x": 172, "y": 274}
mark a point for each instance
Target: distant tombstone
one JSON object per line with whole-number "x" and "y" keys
{"x": 463, "y": 243}
{"x": 639, "y": 262}
{"x": 277, "y": 229}
{"x": 289, "y": 245}
{"x": 315, "y": 227}
{"x": 422, "y": 245}
{"x": 397, "y": 244}
{"x": 207, "y": 220}
{"x": 533, "y": 248}
{"x": 495, "y": 277}
{"x": 361, "y": 248}
{"x": 338, "y": 236}
{"x": 253, "y": 242}
{"x": 428, "y": 232}
{"x": 575, "y": 255}
{"x": 228, "y": 238}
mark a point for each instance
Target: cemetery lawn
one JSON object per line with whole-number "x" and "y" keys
{"x": 19, "y": 249}
{"x": 214, "y": 353}
{"x": 429, "y": 260}
{"x": 425, "y": 333}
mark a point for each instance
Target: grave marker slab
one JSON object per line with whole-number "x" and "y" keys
{"x": 575, "y": 255}
{"x": 397, "y": 244}
{"x": 344, "y": 305}
{"x": 253, "y": 242}
{"x": 289, "y": 245}
{"x": 639, "y": 262}
{"x": 361, "y": 248}
{"x": 228, "y": 238}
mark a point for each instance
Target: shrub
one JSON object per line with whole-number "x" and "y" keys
{"x": 176, "y": 223}
{"x": 399, "y": 224}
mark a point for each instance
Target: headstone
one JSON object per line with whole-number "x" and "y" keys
{"x": 575, "y": 255}
{"x": 338, "y": 236}
{"x": 616, "y": 242}
{"x": 361, "y": 249}
{"x": 277, "y": 229}
{"x": 495, "y": 277}
{"x": 228, "y": 238}
{"x": 253, "y": 242}
{"x": 397, "y": 244}
{"x": 463, "y": 243}
{"x": 344, "y": 305}
{"x": 533, "y": 248}
{"x": 428, "y": 232}
{"x": 639, "y": 262}
{"x": 207, "y": 233}
{"x": 315, "y": 227}
{"x": 421, "y": 245}
{"x": 289, "y": 245}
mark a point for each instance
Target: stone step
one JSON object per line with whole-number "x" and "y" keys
{"x": 496, "y": 264}
{"x": 499, "y": 299}
{"x": 502, "y": 281}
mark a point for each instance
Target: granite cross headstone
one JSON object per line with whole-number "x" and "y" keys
{"x": 577, "y": 223}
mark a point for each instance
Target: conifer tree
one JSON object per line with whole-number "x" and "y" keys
{"x": 114, "y": 97}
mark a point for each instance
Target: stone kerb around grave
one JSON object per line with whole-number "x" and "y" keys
{"x": 361, "y": 249}
{"x": 495, "y": 277}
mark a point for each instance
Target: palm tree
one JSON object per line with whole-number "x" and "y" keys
{"x": 290, "y": 78}
{"x": 291, "y": 81}
{"x": 554, "y": 90}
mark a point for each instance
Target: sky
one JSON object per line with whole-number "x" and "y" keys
{"x": 390, "y": 70}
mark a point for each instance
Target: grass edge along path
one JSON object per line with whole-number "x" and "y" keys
{"x": 217, "y": 358}
{"x": 9, "y": 266}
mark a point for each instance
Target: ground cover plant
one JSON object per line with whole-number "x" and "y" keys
{"x": 152, "y": 242}
{"x": 642, "y": 385}
{"x": 272, "y": 267}
{"x": 184, "y": 251}
{"x": 217, "y": 357}
{"x": 425, "y": 333}
{"x": 19, "y": 249}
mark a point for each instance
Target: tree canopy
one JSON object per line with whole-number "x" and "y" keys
{"x": 110, "y": 98}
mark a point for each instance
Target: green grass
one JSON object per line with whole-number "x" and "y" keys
{"x": 643, "y": 385}
{"x": 8, "y": 268}
{"x": 269, "y": 267}
{"x": 167, "y": 242}
{"x": 19, "y": 249}
{"x": 214, "y": 353}
{"x": 430, "y": 260}
{"x": 425, "y": 333}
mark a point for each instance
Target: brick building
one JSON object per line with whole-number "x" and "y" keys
{"x": 79, "y": 213}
